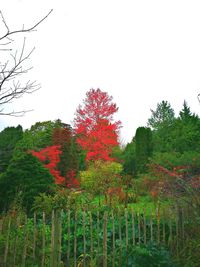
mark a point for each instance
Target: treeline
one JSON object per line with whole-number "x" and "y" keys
{"x": 167, "y": 140}
{"x": 52, "y": 154}
{"x": 23, "y": 175}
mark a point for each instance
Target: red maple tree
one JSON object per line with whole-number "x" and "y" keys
{"x": 50, "y": 156}
{"x": 94, "y": 126}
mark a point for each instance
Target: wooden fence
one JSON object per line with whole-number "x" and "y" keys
{"x": 74, "y": 238}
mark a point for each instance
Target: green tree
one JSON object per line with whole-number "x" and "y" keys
{"x": 100, "y": 176}
{"x": 185, "y": 114}
{"x": 185, "y": 134}
{"x": 26, "y": 177}
{"x": 163, "y": 116}
{"x": 39, "y": 136}
{"x": 144, "y": 148}
{"x": 8, "y": 140}
{"x": 129, "y": 158}
{"x": 162, "y": 124}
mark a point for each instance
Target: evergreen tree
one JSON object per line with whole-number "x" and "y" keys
{"x": 185, "y": 114}
{"x": 8, "y": 140}
{"x": 185, "y": 134}
{"x": 129, "y": 158}
{"x": 26, "y": 177}
{"x": 163, "y": 116}
{"x": 144, "y": 148}
{"x": 162, "y": 123}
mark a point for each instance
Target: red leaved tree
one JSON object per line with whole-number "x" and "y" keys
{"x": 50, "y": 156}
{"x": 68, "y": 163}
{"x": 96, "y": 132}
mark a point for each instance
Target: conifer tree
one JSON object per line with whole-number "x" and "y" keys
{"x": 144, "y": 148}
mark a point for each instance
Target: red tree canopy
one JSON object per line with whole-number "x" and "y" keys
{"x": 94, "y": 126}
{"x": 50, "y": 156}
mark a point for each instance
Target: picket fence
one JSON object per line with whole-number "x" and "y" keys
{"x": 74, "y": 238}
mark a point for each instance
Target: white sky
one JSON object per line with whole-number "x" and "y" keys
{"x": 140, "y": 52}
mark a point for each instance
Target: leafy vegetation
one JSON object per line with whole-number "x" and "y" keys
{"x": 54, "y": 166}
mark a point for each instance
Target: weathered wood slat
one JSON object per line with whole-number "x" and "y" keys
{"x": 24, "y": 254}
{"x": 75, "y": 239}
{"x": 133, "y": 226}
{"x": 113, "y": 239}
{"x": 68, "y": 234}
{"x": 105, "y": 218}
{"x": 43, "y": 239}
{"x": 7, "y": 242}
{"x": 34, "y": 234}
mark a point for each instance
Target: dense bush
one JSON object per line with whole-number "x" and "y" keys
{"x": 25, "y": 177}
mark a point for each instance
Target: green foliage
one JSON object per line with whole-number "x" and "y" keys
{"x": 150, "y": 255}
{"x": 8, "y": 140}
{"x": 37, "y": 137}
{"x": 163, "y": 116}
{"x": 100, "y": 176}
{"x": 175, "y": 134}
{"x": 143, "y": 148}
{"x": 62, "y": 199}
{"x": 185, "y": 134}
{"x": 129, "y": 158}
{"x": 26, "y": 177}
{"x": 170, "y": 160}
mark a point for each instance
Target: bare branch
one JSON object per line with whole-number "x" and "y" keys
{"x": 8, "y": 33}
{"x": 15, "y": 113}
{"x": 11, "y": 70}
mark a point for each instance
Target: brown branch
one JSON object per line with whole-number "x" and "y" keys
{"x": 22, "y": 30}
{"x": 11, "y": 69}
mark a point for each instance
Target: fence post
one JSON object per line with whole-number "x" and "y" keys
{"x": 113, "y": 240}
{"x": 105, "y": 239}
{"x": 177, "y": 231}
{"x": 163, "y": 232}
{"x": 68, "y": 234}
{"x": 151, "y": 226}
{"x": 91, "y": 235}
{"x": 16, "y": 241}
{"x": 43, "y": 238}
{"x": 25, "y": 242}
{"x": 120, "y": 237}
{"x": 126, "y": 219}
{"x": 34, "y": 234}
{"x": 133, "y": 226}
{"x": 75, "y": 241}
{"x": 52, "y": 258}
{"x": 98, "y": 245}
{"x": 158, "y": 225}
{"x": 7, "y": 242}
{"x": 84, "y": 239}
{"x": 145, "y": 232}
{"x": 139, "y": 237}
{"x": 59, "y": 236}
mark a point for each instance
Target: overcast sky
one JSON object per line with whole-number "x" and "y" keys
{"x": 140, "y": 52}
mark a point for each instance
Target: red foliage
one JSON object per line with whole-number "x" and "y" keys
{"x": 50, "y": 156}
{"x": 100, "y": 141}
{"x": 179, "y": 172}
{"x": 93, "y": 125}
{"x": 72, "y": 182}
